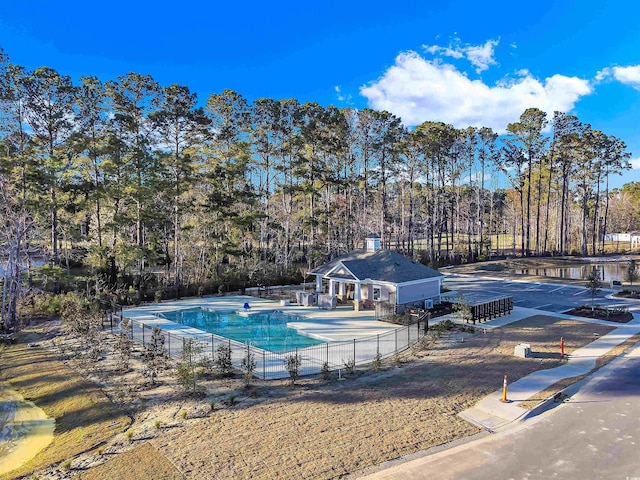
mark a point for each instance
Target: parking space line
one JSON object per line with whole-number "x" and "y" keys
{"x": 541, "y": 306}
{"x": 580, "y": 292}
{"x": 535, "y": 287}
{"x": 556, "y": 289}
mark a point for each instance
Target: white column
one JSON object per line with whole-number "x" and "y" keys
{"x": 318, "y": 284}
{"x": 357, "y": 295}
{"x": 342, "y": 288}
{"x": 332, "y": 288}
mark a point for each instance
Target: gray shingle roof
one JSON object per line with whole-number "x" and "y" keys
{"x": 382, "y": 265}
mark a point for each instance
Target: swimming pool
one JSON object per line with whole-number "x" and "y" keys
{"x": 266, "y": 330}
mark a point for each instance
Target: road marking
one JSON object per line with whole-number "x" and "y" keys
{"x": 535, "y": 287}
{"x": 545, "y": 305}
{"x": 556, "y": 289}
{"x": 580, "y": 293}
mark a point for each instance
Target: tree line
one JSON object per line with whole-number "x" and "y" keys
{"x": 147, "y": 186}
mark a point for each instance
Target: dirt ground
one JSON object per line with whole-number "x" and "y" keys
{"x": 319, "y": 428}
{"x": 332, "y": 430}
{"x": 149, "y": 465}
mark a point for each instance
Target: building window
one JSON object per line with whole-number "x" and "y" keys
{"x": 377, "y": 292}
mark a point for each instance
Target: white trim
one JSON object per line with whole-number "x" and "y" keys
{"x": 423, "y": 280}
{"x": 340, "y": 264}
{"x": 369, "y": 281}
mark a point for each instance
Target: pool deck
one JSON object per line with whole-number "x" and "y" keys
{"x": 329, "y": 325}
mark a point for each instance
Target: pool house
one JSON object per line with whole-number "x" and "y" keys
{"x": 374, "y": 276}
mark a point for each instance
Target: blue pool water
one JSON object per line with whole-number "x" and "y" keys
{"x": 266, "y": 330}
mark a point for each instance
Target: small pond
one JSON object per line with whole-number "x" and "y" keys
{"x": 24, "y": 429}
{"x": 608, "y": 271}
{"x": 37, "y": 262}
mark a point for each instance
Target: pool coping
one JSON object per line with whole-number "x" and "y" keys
{"x": 327, "y": 325}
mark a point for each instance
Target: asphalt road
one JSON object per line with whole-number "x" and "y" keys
{"x": 595, "y": 435}
{"x": 551, "y": 297}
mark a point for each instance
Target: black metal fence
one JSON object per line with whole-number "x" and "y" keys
{"x": 271, "y": 365}
{"x": 491, "y": 309}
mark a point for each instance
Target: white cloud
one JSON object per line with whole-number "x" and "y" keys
{"x": 480, "y": 56}
{"x": 629, "y": 75}
{"x": 445, "y": 51}
{"x": 341, "y": 96}
{"x": 602, "y": 74}
{"x": 417, "y": 89}
{"x": 635, "y": 163}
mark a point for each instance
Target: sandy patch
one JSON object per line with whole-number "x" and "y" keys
{"x": 24, "y": 430}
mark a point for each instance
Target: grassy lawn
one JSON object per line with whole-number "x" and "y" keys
{"x": 84, "y": 415}
{"x": 142, "y": 463}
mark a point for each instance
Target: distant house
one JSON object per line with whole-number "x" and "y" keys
{"x": 373, "y": 275}
{"x": 618, "y": 237}
{"x": 633, "y": 238}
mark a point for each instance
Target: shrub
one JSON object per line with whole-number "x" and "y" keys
{"x": 223, "y": 360}
{"x": 124, "y": 345}
{"x": 292, "y": 364}
{"x": 232, "y": 400}
{"x": 157, "y": 424}
{"x": 350, "y": 365}
{"x": 463, "y": 309}
{"x": 248, "y": 367}
{"x": 129, "y": 435}
{"x": 212, "y": 405}
{"x": 183, "y": 414}
{"x": 82, "y": 320}
{"x": 191, "y": 365}
{"x": 593, "y": 284}
{"x": 377, "y": 362}
{"x": 155, "y": 357}
{"x": 326, "y": 372}
{"x": 157, "y": 297}
{"x": 66, "y": 465}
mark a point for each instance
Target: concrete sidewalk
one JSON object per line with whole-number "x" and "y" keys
{"x": 490, "y": 413}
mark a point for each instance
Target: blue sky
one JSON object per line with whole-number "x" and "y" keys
{"x": 463, "y": 62}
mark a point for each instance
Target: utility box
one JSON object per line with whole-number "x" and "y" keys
{"x": 616, "y": 284}
{"x": 327, "y": 302}
{"x": 522, "y": 350}
{"x": 305, "y": 299}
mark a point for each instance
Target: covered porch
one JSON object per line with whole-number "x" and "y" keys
{"x": 349, "y": 289}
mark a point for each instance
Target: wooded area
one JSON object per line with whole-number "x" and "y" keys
{"x": 148, "y": 190}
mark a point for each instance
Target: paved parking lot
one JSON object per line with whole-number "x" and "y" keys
{"x": 552, "y": 297}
